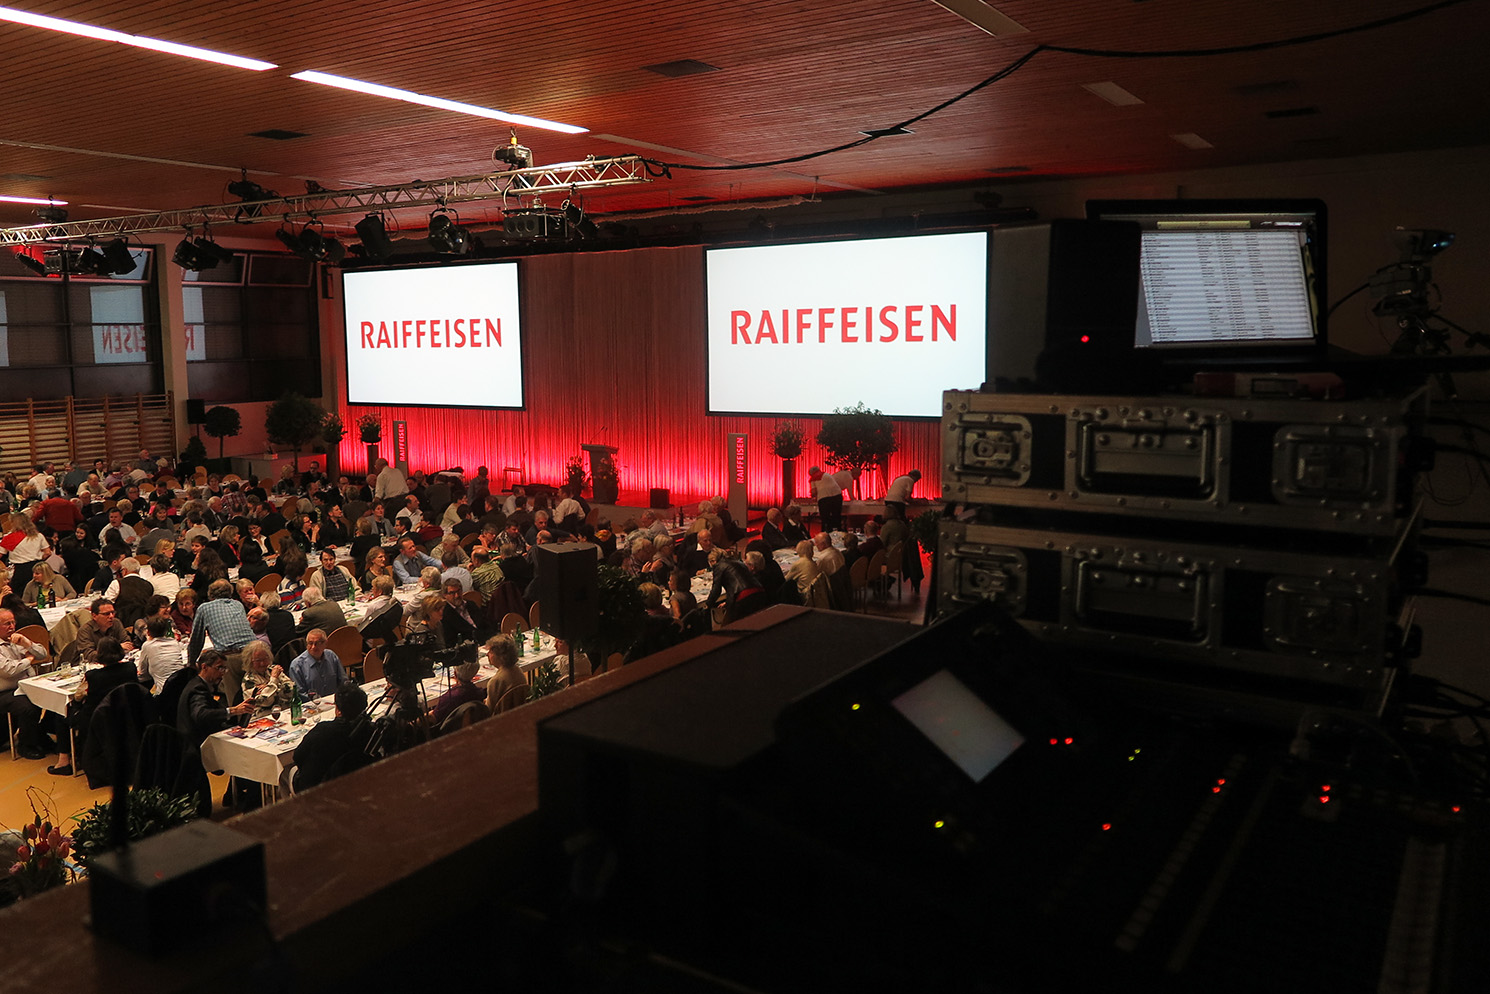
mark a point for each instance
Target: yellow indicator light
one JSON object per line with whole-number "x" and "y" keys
{"x": 853, "y": 707}
{"x": 940, "y": 823}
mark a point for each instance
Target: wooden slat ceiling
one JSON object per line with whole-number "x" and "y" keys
{"x": 115, "y": 130}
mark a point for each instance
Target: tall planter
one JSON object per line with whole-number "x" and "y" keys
{"x": 786, "y": 445}
{"x": 788, "y": 481}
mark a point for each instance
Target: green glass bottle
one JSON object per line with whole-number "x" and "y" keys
{"x": 296, "y": 716}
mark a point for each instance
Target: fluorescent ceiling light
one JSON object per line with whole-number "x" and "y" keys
{"x": 981, "y": 15}
{"x": 138, "y": 41}
{"x": 342, "y": 82}
{"x": 1191, "y": 140}
{"x": 32, "y": 200}
{"x": 1112, "y": 93}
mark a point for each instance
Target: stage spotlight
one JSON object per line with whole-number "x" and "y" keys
{"x": 374, "y": 235}
{"x": 517, "y": 157}
{"x": 579, "y": 225}
{"x": 208, "y": 249}
{"x": 52, "y": 214}
{"x": 290, "y": 239}
{"x": 446, "y": 236}
{"x": 121, "y": 260}
{"x": 37, "y": 267}
{"x": 90, "y": 261}
{"x": 246, "y": 189}
{"x": 335, "y": 252}
{"x": 191, "y": 258}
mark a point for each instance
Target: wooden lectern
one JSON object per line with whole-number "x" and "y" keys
{"x": 606, "y": 489}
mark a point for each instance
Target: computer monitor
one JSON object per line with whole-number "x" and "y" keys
{"x": 1228, "y": 279}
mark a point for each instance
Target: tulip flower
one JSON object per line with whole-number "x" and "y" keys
{"x": 24, "y": 852}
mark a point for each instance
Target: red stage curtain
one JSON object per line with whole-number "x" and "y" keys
{"x": 615, "y": 341}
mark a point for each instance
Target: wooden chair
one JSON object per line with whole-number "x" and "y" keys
{"x": 464, "y": 717}
{"x": 88, "y": 587}
{"x": 512, "y": 622}
{"x": 475, "y": 598}
{"x": 876, "y": 575}
{"x": 858, "y": 577}
{"x": 372, "y": 666}
{"x": 346, "y": 642}
{"x": 199, "y": 476}
{"x": 267, "y": 582}
{"x": 895, "y": 565}
{"x": 143, "y": 559}
{"x": 818, "y": 594}
{"x": 533, "y": 615}
{"x": 232, "y": 478}
{"x": 470, "y": 540}
{"x": 512, "y": 697}
{"x": 282, "y": 535}
{"x": 39, "y": 635}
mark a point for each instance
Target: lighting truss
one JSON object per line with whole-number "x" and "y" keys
{"x": 561, "y": 177}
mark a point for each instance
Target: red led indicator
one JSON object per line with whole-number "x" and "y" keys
{"x": 1055, "y": 741}
{"x": 1325, "y": 788}
{"x": 1069, "y": 741}
{"x": 1455, "y": 809}
{"x": 1086, "y": 338}
{"x": 1221, "y": 783}
{"x": 1215, "y": 790}
{"x": 1107, "y": 826}
{"x": 1324, "y": 798}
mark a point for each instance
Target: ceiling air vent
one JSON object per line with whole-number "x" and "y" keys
{"x": 681, "y": 67}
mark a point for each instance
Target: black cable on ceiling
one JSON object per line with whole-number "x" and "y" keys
{"x": 1095, "y": 53}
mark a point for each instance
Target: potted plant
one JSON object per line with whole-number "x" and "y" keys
{"x": 622, "y": 614}
{"x": 151, "y": 811}
{"x": 574, "y": 473}
{"x": 370, "y": 429}
{"x": 293, "y": 422}
{"x": 333, "y": 430}
{"x": 856, "y": 438}
{"x": 786, "y": 445}
{"x": 42, "y": 856}
{"x": 222, "y": 423}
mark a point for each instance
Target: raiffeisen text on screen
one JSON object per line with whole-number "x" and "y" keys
{"x": 437, "y": 333}
{"x": 795, "y": 326}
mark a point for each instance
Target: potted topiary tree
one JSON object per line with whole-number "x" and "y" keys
{"x": 332, "y": 432}
{"x": 294, "y": 422}
{"x": 370, "y": 430}
{"x": 622, "y": 614}
{"x": 786, "y": 445}
{"x": 856, "y": 438}
{"x": 221, "y": 423}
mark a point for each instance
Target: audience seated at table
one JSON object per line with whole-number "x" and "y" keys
{"x": 458, "y": 623}
{"x": 735, "y": 587}
{"x": 110, "y": 672}
{"x": 184, "y": 611}
{"x": 266, "y": 685}
{"x": 161, "y": 655}
{"x": 501, "y": 690}
{"x": 317, "y": 671}
{"x": 463, "y": 689}
{"x": 156, "y": 607}
{"x": 57, "y": 587}
{"x": 334, "y": 581}
{"x": 336, "y": 745}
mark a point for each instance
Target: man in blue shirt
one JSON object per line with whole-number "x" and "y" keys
{"x": 410, "y": 562}
{"x": 225, "y": 621}
{"x": 317, "y": 671}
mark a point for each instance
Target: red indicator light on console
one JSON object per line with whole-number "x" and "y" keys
{"x": 1085, "y": 339}
{"x": 1324, "y": 798}
{"x": 1107, "y": 826}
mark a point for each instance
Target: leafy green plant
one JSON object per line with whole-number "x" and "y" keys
{"x": 151, "y": 811}
{"x": 857, "y": 438}
{"x": 195, "y": 452}
{"x": 622, "y": 615}
{"x": 546, "y": 680}
{"x": 294, "y": 422}
{"x": 370, "y": 429}
{"x": 222, "y": 422}
{"x": 924, "y": 527}
{"x": 574, "y": 472}
{"x": 787, "y": 439}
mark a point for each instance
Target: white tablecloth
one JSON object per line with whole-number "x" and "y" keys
{"x": 268, "y": 750}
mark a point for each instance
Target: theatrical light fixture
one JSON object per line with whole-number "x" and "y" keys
{"x": 517, "y": 157}
{"x": 190, "y": 257}
{"x": 445, "y": 235}
{"x": 120, "y": 259}
{"x": 138, "y": 41}
{"x": 408, "y": 96}
{"x": 91, "y": 262}
{"x": 374, "y": 235}
{"x": 32, "y": 200}
{"x": 51, "y": 213}
{"x": 580, "y": 225}
{"x": 313, "y": 244}
{"x": 36, "y": 266}
{"x": 208, "y": 249}
{"x": 247, "y": 190}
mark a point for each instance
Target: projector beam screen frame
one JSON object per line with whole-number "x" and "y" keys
{"x": 405, "y": 326}
{"x": 923, "y": 299}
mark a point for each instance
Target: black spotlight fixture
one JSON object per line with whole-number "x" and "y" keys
{"x": 51, "y": 214}
{"x": 208, "y": 249}
{"x": 191, "y": 258}
{"x": 374, "y": 234}
{"x": 35, "y": 265}
{"x": 91, "y": 262}
{"x": 517, "y": 157}
{"x": 120, "y": 259}
{"x": 247, "y": 190}
{"x": 579, "y": 224}
{"x": 445, "y": 235}
{"x": 312, "y": 244}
